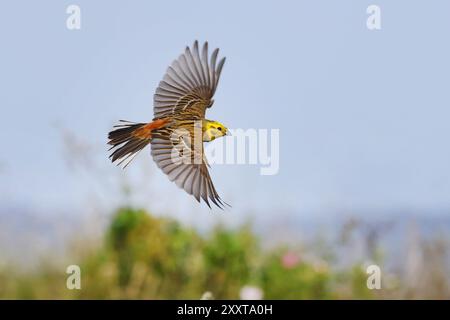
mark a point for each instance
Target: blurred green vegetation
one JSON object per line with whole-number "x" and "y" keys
{"x": 146, "y": 257}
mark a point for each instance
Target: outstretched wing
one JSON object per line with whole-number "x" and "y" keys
{"x": 189, "y": 84}
{"x": 184, "y": 165}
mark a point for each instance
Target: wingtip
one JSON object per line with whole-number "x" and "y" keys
{"x": 207, "y": 203}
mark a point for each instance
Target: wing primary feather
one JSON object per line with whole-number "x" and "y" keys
{"x": 205, "y": 191}
{"x": 167, "y": 86}
{"x": 206, "y": 64}
{"x": 199, "y": 66}
{"x": 192, "y": 56}
{"x": 189, "y": 78}
{"x": 213, "y": 66}
{"x": 188, "y": 69}
{"x": 183, "y": 168}
{"x": 218, "y": 72}
{"x": 188, "y": 181}
{"x": 192, "y": 67}
{"x": 213, "y": 194}
{"x": 172, "y": 73}
{"x": 195, "y": 184}
{"x": 168, "y": 79}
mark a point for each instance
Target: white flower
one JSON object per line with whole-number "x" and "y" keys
{"x": 251, "y": 293}
{"x": 207, "y": 296}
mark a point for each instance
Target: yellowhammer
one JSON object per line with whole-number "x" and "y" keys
{"x": 179, "y": 126}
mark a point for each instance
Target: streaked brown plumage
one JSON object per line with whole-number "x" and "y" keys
{"x": 180, "y": 104}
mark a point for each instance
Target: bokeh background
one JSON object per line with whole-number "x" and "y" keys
{"x": 364, "y": 159}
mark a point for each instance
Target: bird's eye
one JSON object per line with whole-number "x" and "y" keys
{"x": 219, "y": 128}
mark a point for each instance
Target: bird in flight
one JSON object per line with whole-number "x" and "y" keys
{"x": 179, "y": 127}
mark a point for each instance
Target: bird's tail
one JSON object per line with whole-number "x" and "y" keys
{"x": 129, "y": 138}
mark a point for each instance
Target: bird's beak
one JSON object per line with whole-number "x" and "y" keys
{"x": 228, "y": 133}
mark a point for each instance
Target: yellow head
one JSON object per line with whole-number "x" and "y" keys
{"x": 212, "y": 130}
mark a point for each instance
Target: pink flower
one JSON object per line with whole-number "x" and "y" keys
{"x": 290, "y": 260}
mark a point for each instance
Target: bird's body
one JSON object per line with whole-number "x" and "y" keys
{"x": 179, "y": 127}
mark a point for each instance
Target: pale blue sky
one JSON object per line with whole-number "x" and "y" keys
{"x": 363, "y": 115}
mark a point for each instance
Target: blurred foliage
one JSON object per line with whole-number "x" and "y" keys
{"x": 147, "y": 257}
{"x": 301, "y": 281}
